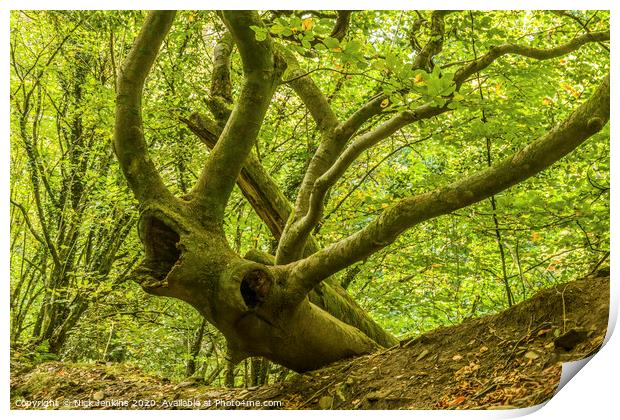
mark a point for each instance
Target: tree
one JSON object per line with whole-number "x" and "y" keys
{"x": 290, "y": 309}
{"x": 66, "y": 165}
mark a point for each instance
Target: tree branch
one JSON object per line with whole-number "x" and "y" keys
{"x": 129, "y": 143}
{"x": 304, "y": 226}
{"x": 364, "y": 113}
{"x": 583, "y": 25}
{"x": 423, "y": 60}
{"x": 536, "y": 53}
{"x": 221, "y": 99}
{"x": 29, "y": 224}
{"x": 309, "y": 93}
{"x": 257, "y": 186}
{"x": 584, "y": 122}
{"x": 238, "y": 136}
{"x": 342, "y": 24}
{"x": 291, "y": 246}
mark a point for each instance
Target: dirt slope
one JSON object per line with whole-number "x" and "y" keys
{"x": 508, "y": 360}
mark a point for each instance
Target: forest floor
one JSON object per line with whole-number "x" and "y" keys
{"x": 509, "y": 360}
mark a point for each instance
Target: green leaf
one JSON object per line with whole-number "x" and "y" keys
{"x": 331, "y": 42}
{"x": 353, "y": 46}
{"x": 259, "y": 33}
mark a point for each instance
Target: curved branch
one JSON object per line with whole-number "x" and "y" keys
{"x": 31, "y": 228}
{"x": 129, "y": 143}
{"x": 373, "y": 106}
{"x": 342, "y": 24}
{"x": 584, "y": 122}
{"x": 221, "y": 99}
{"x": 309, "y": 93}
{"x": 583, "y": 25}
{"x": 220, "y": 173}
{"x": 423, "y": 60}
{"x": 536, "y": 53}
{"x": 304, "y": 226}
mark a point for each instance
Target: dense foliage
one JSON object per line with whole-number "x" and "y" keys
{"x": 73, "y": 240}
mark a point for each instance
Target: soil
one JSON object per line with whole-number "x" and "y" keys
{"x": 509, "y": 360}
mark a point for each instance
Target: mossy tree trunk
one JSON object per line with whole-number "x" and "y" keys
{"x": 288, "y": 310}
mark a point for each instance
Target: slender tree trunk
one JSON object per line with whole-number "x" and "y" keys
{"x": 190, "y": 368}
{"x": 229, "y": 377}
{"x": 259, "y": 368}
{"x": 498, "y": 235}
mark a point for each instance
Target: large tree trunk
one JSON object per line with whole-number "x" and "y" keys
{"x": 247, "y": 301}
{"x": 274, "y": 209}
